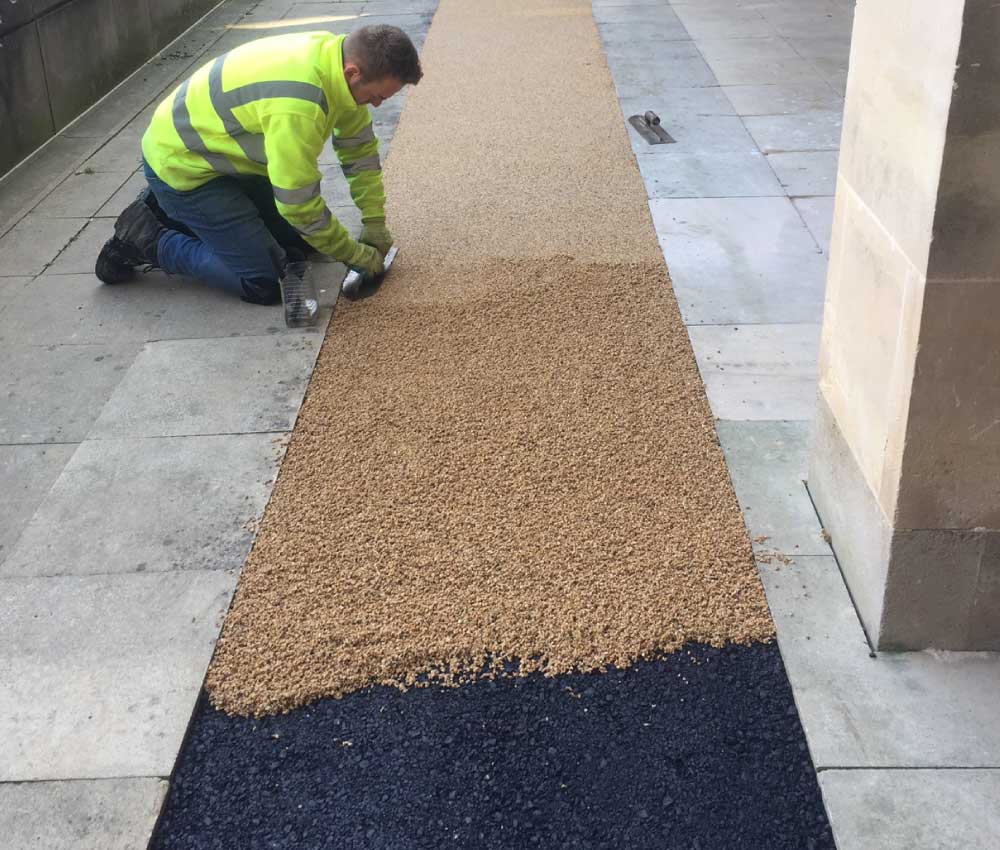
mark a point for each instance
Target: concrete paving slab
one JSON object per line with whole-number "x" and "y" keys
{"x": 677, "y": 64}
{"x": 100, "y": 672}
{"x": 257, "y": 384}
{"x": 643, "y": 34}
{"x": 81, "y": 194}
{"x": 654, "y": 17}
{"x": 332, "y": 11}
{"x": 731, "y": 72}
{"x": 740, "y": 260}
{"x": 912, "y": 709}
{"x": 12, "y": 290}
{"x": 818, "y": 216}
{"x": 21, "y": 188}
{"x": 134, "y": 506}
{"x": 96, "y": 814}
{"x": 699, "y": 135}
{"x": 784, "y": 98}
{"x": 703, "y": 21}
{"x": 804, "y": 131}
{"x": 122, "y": 153}
{"x": 192, "y": 310}
{"x": 822, "y": 47}
{"x": 794, "y": 23}
{"x": 913, "y": 809}
{"x": 680, "y": 108}
{"x": 684, "y": 174}
{"x": 759, "y": 371}
{"x": 77, "y": 309}
{"x": 26, "y": 474}
{"x": 745, "y": 49}
{"x": 34, "y": 242}
{"x": 80, "y": 255}
{"x": 126, "y": 193}
{"x": 807, "y": 172}
{"x": 400, "y": 7}
{"x": 54, "y": 393}
{"x": 767, "y": 461}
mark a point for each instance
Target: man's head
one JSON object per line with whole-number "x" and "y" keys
{"x": 378, "y": 61}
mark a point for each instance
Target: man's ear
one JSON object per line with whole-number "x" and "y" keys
{"x": 352, "y": 73}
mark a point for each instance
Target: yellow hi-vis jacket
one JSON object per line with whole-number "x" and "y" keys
{"x": 268, "y": 108}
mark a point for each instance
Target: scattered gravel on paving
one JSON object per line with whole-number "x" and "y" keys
{"x": 701, "y": 749}
{"x": 507, "y": 454}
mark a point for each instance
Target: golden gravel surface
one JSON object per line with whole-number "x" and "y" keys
{"x": 507, "y": 454}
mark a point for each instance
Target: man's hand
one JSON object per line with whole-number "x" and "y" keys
{"x": 366, "y": 259}
{"x": 376, "y": 234}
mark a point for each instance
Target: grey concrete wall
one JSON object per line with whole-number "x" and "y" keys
{"x": 57, "y": 57}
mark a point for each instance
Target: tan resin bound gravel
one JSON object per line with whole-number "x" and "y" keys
{"x": 507, "y": 453}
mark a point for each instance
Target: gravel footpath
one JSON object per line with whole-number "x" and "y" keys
{"x": 701, "y": 750}
{"x": 507, "y": 454}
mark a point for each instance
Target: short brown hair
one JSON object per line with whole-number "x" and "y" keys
{"x": 380, "y": 51}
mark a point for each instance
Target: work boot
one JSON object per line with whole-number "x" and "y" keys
{"x": 137, "y": 232}
{"x": 140, "y": 230}
{"x": 116, "y": 263}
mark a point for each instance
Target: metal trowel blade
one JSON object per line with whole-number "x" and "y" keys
{"x": 356, "y": 285}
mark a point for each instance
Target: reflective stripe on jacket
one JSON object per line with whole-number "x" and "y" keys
{"x": 268, "y": 108}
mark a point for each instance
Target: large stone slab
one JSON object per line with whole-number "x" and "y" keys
{"x": 81, "y": 194}
{"x": 212, "y": 386}
{"x": 817, "y": 213}
{"x": 806, "y": 173}
{"x": 34, "y": 242}
{"x": 703, "y": 21}
{"x": 78, "y": 308}
{"x": 54, "y": 393}
{"x": 180, "y": 503}
{"x": 636, "y": 31}
{"x": 744, "y": 49}
{"x": 759, "y": 371}
{"x": 80, "y": 255}
{"x": 660, "y": 19}
{"x": 123, "y": 152}
{"x": 21, "y": 188}
{"x": 192, "y": 310}
{"x": 803, "y": 131}
{"x": 740, "y": 260}
{"x": 911, "y": 709}
{"x": 97, "y": 814}
{"x": 127, "y": 192}
{"x": 677, "y": 64}
{"x": 26, "y": 474}
{"x": 789, "y": 97}
{"x": 764, "y": 71}
{"x": 100, "y": 672}
{"x": 684, "y": 174}
{"x": 767, "y": 461}
{"x": 913, "y": 809}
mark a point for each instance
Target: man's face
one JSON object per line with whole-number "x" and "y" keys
{"x": 373, "y": 92}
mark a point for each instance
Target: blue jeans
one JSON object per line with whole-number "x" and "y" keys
{"x": 239, "y": 237}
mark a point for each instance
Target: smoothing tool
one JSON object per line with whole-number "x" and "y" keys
{"x": 358, "y": 285}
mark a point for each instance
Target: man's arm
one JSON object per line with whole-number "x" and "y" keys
{"x": 293, "y": 144}
{"x": 357, "y": 149}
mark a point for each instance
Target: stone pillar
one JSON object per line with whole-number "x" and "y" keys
{"x": 905, "y": 470}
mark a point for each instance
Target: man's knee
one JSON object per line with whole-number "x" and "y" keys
{"x": 261, "y": 290}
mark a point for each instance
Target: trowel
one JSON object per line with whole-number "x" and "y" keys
{"x": 358, "y": 285}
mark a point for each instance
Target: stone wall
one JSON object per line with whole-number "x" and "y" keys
{"x": 57, "y": 57}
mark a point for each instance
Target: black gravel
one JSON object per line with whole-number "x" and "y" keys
{"x": 701, "y": 749}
